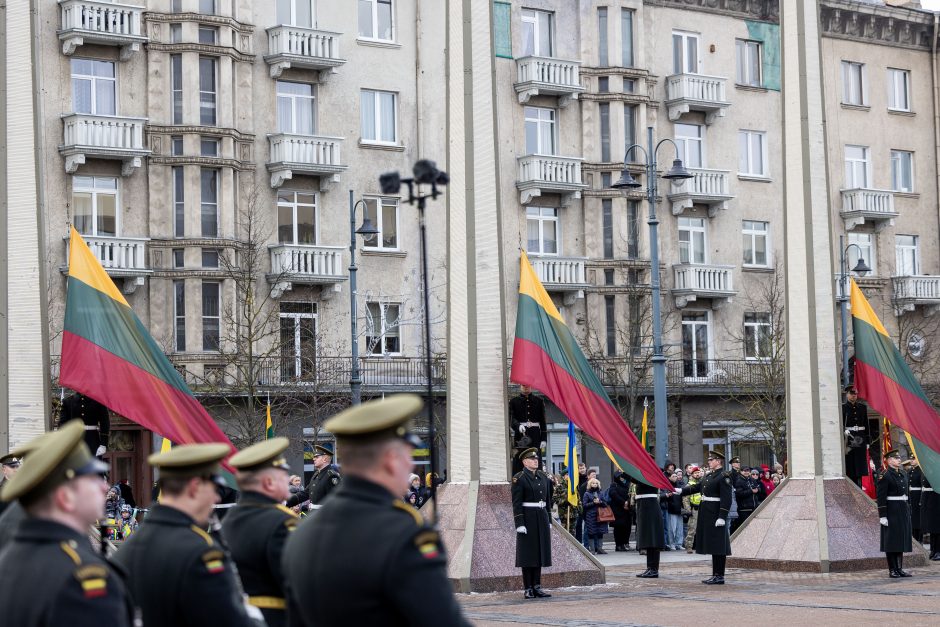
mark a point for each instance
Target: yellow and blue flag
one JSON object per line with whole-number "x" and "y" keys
{"x": 571, "y": 463}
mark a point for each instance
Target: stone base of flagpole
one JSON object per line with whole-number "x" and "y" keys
{"x": 814, "y": 525}
{"x": 477, "y": 527}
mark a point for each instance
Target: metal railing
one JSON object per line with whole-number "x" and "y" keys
{"x": 334, "y": 372}
{"x": 556, "y": 72}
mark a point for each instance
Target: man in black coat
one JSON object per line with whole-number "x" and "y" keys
{"x": 711, "y": 532}
{"x": 325, "y": 476}
{"x": 531, "y": 509}
{"x": 9, "y": 464}
{"x": 915, "y": 479}
{"x": 94, "y": 416}
{"x": 746, "y": 490}
{"x": 857, "y": 434}
{"x": 650, "y": 535}
{"x": 620, "y": 504}
{"x": 527, "y": 422}
{"x": 895, "y": 514}
{"x": 930, "y": 517}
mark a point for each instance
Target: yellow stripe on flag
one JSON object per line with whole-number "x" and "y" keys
{"x": 644, "y": 427}
{"x": 530, "y": 285}
{"x": 166, "y": 445}
{"x": 611, "y": 456}
{"x": 862, "y": 310}
{"x": 86, "y": 268}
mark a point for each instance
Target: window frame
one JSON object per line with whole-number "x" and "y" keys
{"x": 178, "y": 175}
{"x": 538, "y": 121}
{"x": 709, "y": 341}
{"x": 207, "y": 347}
{"x": 603, "y": 115}
{"x": 294, "y": 205}
{"x": 204, "y": 104}
{"x": 296, "y": 101}
{"x": 213, "y": 30}
{"x": 607, "y": 227}
{"x": 685, "y": 37}
{"x": 203, "y": 204}
{"x": 380, "y": 203}
{"x": 176, "y": 93}
{"x": 610, "y": 322}
{"x": 373, "y": 21}
{"x": 377, "y": 129}
{"x": 899, "y": 249}
{"x": 94, "y": 191}
{"x": 748, "y": 153}
{"x": 627, "y": 59}
{"x": 749, "y": 232}
{"x": 383, "y": 327}
{"x": 762, "y": 326}
{"x": 684, "y": 141}
{"x": 744, "y": 50}
{"x": 213, "y": 11}
{"x": 292, "y": 20}
{"x": 849, "y": 75}
{"x": 541, "y": 219}
{"x": 895, "y": 90}
{"x": 94, "y": 80}
{"x": 896, "y": 170}
{"x": 603, "y": 37}
{"x": 865, "y": 161}
{"x": 531, "y": 16}
{"x": 179, "y": 315}
{"x": 852, "y": 252}
{"x": 685, "y": 225}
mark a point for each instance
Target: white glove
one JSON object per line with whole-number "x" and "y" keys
{"x": 522, "y": 429}
{"x": 678, "y": 491}
{"x": 883, "y": 521}
{"x": 720, "y": 522}
{"x": 521, "y": 529}
{"x": 542, "y": 445}
{"x": 847, "y": 432}
{"x": 101, "y": 450}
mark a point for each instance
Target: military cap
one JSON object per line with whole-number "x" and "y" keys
{"x": 908, "y": 462}
{"x": 716, "y": 455}
{"x": 893, "y": 453}
{"x": 735, "y": 460}
{"x": 377, "y": 420}
{"x": 266, "y": 454}
{"x": 850, "y": 389}
{"x": 10, "y": 460}
{"x": 322, "y": 449}
{"x": 529, "y": 453}
{"x": 191, "y": 460}
{"x": 60, "y": 457}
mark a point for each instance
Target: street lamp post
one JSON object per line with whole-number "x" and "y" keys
{"x": 367, "y": 229}
{"x": 861, "y": 269}
{"x": 676, "y": 173}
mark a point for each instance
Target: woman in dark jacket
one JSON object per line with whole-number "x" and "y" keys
{"x": 620, "y": 502}
{"x": 593, "y": 529}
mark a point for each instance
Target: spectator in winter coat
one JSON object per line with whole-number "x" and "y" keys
{"x": 619, "y": 493}
{"x": 692, "y": 502}
{"x": 761, "y": 493}
{"x": 593, "y": 530}
{"x": 417, "y": 494}
{"x": 673, "y": 504}
{"x": 113, "y": 503}
{"x": 766, "y": 480}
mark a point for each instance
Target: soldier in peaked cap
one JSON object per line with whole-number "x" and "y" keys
{"x": 325, "y": 478}
{"x": 9, "y": 464}
{"x": 62, "y": 492}
{"x": 366, "y": 557}
{"x": 711, "y": 531}
{"x": 177, "y": 574}
{"x": 531, "y": 509}
{"x": 895, "y": 514}
{"x": 14, "y": 512}
{"x": 256, "y": 529}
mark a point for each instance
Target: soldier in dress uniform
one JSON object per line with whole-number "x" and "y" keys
{"x": 257, "y": 528}
{"x": 94, "y": 416}
{"x": 527, "y": 421}
{"x": 62, "y": 491}
{"x": 711, "y": 531}
{"x": 367, "y": 557}
{"x": 915, "y": 478}
{"x": 531, "y": 507}
{"x": 930, "y": 517}
{"x": 325, "y": 476}
{"x": 858, "y": 436}
{"x": 177, "y": 574}
{"x": 9, "y": 463}
{"x": 14, "y": 512}
{"x": 650, "y": 536}
{"x": 895, "y": 515}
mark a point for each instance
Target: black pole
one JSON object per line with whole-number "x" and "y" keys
{"x": 427, "y": 355}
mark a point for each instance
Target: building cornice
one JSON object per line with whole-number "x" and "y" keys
{"x": 203, "y": 49}
{"x": 876, "y": 24}
{"x": 208, "y": 162}
{"x": 212, "y": 20}
{"x": 762, "y": 10}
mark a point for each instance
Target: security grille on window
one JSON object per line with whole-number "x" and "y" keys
{"x": 208, "y": 70}
{"x": 94, "y": 87}
{"x": 857, "y": 167}
{"x": 295, "y": 13}
{"x": 542, "y": 230}
{"x": 379, "y": 117}
{"x": 907, "y": 255}
{"x": 383, "y": 336}
{"x": 538, "y": 33}
{"x": 692, "y": 240}
{"x": 539, "y": 131}
{"x": 296, "y": 218}
{"x": 864, "y": 247}
{"x": 296, "y": 108}
{"x": 902, "y": 171}
{"x": 689, "y": 139}
{"x": 209, "y": 197}
{"x": 211, "y": 315}
{"x": 757, "y": 336}
{"x": 755, "y": 243}
{"x": 748, "y": 62}
{"x": 853, "y": 83}
{"x": 752, "y": 153}
{"x": 179, "y": 315}
{"x": 899, "y": 90}
{"x": 376, "y": 20}
{"x": 383, "y": 212}
{"x": 94, "y": 205}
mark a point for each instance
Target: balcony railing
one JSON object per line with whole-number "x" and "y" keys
{"x": 405, "y": 373}
{"x": 860, "y": 205}
{"x": 316, "y": 155}
{"x": 696, "y": 92}
{"x": 102, "y": 137}
{"x": 911, "y": 291}
{"x": 299, "y": 47}
{"x": 548, "y": 76}
{"x": 309, "y": 265}
{"x": 693, "y": 281}
{"x": 121, "y": 257}
{"x": 105, "y": 23}
{"x": 706, "y": 187}
{"x": 539, "y": 174}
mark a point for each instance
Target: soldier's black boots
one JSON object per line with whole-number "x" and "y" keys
{"x": 529, "y": 593}
{"x": 649, "y": 573}
{"x": 539, "y": 593}
{"x": 714, "y": 580}
{"x": 892, "y": 565}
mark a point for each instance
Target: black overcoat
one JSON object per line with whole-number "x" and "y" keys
{"x": 533, "y": 548}
{"x": 649, "y": 518}
{"x": 709, "y": 539}
{"x": 853, "y": 417}
{"x": 915, "y": 487}
{"x": 929, "y": 509}
{"x": 896, "y": 537}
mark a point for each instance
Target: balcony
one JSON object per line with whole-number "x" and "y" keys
{"x": 706, "y": 187}
{"x": 312, "y": 155}
{"x": 305, "y": 265}
{"x": 913, "y": 291}
{"x": 549, "y": 77}
{"x": 541, "y": 174}
{"x": 102, "y": 137}
{"x": 727, "y": 376}
{"x": 122, "y": 258}
{"x": 562, "y": 274}
{"x": 329, "y": 373}
{"x": 306, "y": 48}
{"x": 694, "y": 281}
{"x": 696, "y": 92}
{"x": 872, "y": 205}
{"x": 103, "y": 23}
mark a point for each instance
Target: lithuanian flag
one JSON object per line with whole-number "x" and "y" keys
{"x": 546, "y": 357}
{"x": 268, "y": 425}
{"x": 108, "y": 355}
{"x": 886, "y": 382}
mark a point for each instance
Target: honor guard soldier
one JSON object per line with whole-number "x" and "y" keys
{"x": 895, "y": 515}
{"x": 62, "y": 491}
{"x": 915, "y": 481}
{"x": 531, "y": 508}
{"x": 711, "y": 531}
{"x": 527, "y": 420}
{"x": 650, "y": 535}
{"x": 857, "y": 434}
{"x": 256, "y": 529}
{"x": 94, "y": 416}
{"x": 325, "y": 476}
{"x": 177, "y": 574}
{"x": 9, "y": 463}
{"x": 367, "y": 557}
{"x": 930, "y": 517}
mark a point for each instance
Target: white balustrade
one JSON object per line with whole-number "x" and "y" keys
{"x": 550, "y": 169}
{"x": 555, "y": 72}
{"x": 303, "y": 42}
{"x": 119, "y": 253}
{"x": 104, "y": 18}
{"x": 103, "y": 131}
{"x": 917, "y": 288}
{"x": 704, "y": 278}
{"x": 304, "y": 261}
{"x": 696, "y": 87}
{"x": 872, "y": 201}
{"x": 708, "y": 183}
{"x": 311, "y": 150}
{"x": 560, "y": 271}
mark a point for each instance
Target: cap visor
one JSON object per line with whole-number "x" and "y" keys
{"x": 94, "y": 467}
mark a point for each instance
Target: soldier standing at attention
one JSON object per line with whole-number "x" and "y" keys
{"x": 49, "y": 574}
{"x": 177, "y": 574}
{"x": 367, "y": 557}
{"x": 325, "y": 476}
{"x": 915, "y": 477}
{"x": 930, "y": 517}
{"x": 10, "y": 463}
{"x": 527, "y": 421}
{"x": 650, "y": 535}
{"x": 858, "y": 437}
{"x": 531, "y": 508}
{"x": 256, "y": 529}
{"x": 711, "y": 532}
{"x": 94, "y": 416}
{"x": 895, "y": 515}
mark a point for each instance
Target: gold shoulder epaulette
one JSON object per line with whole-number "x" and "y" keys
{"x": 287, "y": 510}
{"x": 202, "y": 533}
{"x": 411, "y": 510}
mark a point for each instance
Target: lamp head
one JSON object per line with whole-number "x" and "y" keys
{"x": 861, "y": 268}
{"x": 367, "y": 229}
{"x": 390, "y": 183}
{"x": 677, "y": 172}
{"x": 426, "y": 173}
{"x": 626, "y": 181}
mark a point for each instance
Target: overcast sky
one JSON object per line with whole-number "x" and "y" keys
{"x": 933, "y": 5}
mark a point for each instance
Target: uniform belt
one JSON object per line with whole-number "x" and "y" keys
{"x": 714, "y": 499}
{"x": 897, "y": 498}
{"x": 913, "y": 488}
{"x": 927, "y": 489}
{"x": 647, "y": 496}
{"x": 855, "y": 428}
{"x": 268, "y": 603}
{"x": 315, "y": 506}
{"x": 529, "y": 424}
{"x": 539, "y": 504}
{"x": 90, "y": 428}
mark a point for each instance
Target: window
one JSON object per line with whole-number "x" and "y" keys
{"x": 295, "y": 13}
{"x": 296, "y": 217}
{"x": 629, "y": 128}
{"x": 685, "y": 53}
{"x": 94, "y": 87}
{"x": 633, "y": 229}
{"x": 379, "y": 119}
{"x": 542, "y": 230}
{"x": 902, "y": 171}
{"x": 179, "y": 315}
{"x": 604, "y": 109}
{"x": 178, "y": 258}
{"x": 695, "y": 345}
{"x": 602, "y": 59}
{"x": 689, "y": 140}
{"x": 94, "y": 205}
{"x": 296, "y": 112}
{"x": 610, "y": 309}
{"x": 755, "y": 243}
{"x": 538, "y": 33}
{"x": 210, "y": 258}
{"x": 176, "y": 87}
{"x": 603, "y": 84}
{"x": 176, "y": 145}
{"x": 176, "y": 6}
{"x": 626, "y": 37}
{"x": 209, "y": 147}
{"x": 692, "y": 240}
{"x": 207, "y": 93}
{"x": 853, "y": 86}
{"x": 907, "y": 255}
{"x": 383, "y": 336}
{"x": 383, "y": 212}
{"x": 605, "y": 180}
{"x": 608, "y": 227}
{"x": 211, "y": 317}
{"x": 857, "y": 167}
{"x": 748, "y": 62}
{"x": 864, "y": 248}
{"x": 375, "y": 20}
{"x": 179, "y": 206}
{"x": 207, "y": 7}
{"x": 208, "y": 35}
{"x": 752, "y": 153}
{"x": 899, "y": 90}
{"x": 539, "y": 131}
{"x": 209, "y": 199}
{"x": 757, "y": 337}
{"x": 176, "y": 33}
{"x": 298, "y": 340}
{"x": 608, "y": 276}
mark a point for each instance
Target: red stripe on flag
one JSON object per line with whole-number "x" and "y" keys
{"x": 904, "y": 408}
